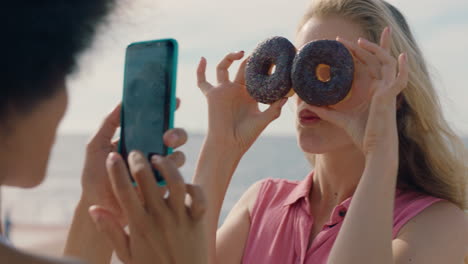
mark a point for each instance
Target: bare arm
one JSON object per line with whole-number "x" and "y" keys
{"x": 226, "y": 245}
{"x": 439, "y": 234}
{"x": 232, "y": 235}
{"x": 213, "y": 174}
{"x": 366, "y": 233}
{"x": 234, "y": 123}
{"x": 84, "y": 241}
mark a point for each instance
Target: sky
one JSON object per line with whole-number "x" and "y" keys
{"x": 213, "y": 28}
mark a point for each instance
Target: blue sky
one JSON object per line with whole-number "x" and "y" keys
{"x": 212, "y": 28}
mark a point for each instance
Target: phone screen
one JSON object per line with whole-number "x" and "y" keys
{"x": 148, "y": 94}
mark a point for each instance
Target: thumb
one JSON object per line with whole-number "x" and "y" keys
{"x": 328, "y": 114}
{"x": 108, "y": 128}
{"x": 272, "y": 112}
{"x": 108, "y": 225}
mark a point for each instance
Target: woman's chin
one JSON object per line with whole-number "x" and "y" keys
{"x": 320, "y": 141}
{"x": 312, "y": 144}
{"x": 312, "y": 147}
{"x": 321, "y": 147}
{"x": 312, "y": 150}
{"x": 34, "y": 182}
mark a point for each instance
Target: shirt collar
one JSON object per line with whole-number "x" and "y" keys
{"x": 300, "y": 191}
{"x": 303, "y": 189}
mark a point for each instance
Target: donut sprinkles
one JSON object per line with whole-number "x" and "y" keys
{"x": 323, "y": 72}
{"x": 264, "y": 85}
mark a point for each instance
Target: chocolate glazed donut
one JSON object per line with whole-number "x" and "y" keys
{"x": 262, "y": 85}
{"x": 323, "y": 72}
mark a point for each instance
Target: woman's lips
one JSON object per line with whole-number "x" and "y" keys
{"x": 307, "y": 117}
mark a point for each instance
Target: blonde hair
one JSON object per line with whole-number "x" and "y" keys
{"x": 432, "y": 157}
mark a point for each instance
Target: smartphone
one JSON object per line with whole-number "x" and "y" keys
{"x": 149, "y": 101}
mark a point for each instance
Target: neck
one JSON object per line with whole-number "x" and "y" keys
{"x": 336, "y": 176}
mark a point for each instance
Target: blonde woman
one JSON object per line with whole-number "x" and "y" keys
{"x": 388, "y": 184}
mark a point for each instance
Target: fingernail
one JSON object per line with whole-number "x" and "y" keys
{"x": 156, "y": 159}
{"x": 96, "y": 218}
{"x": 112, "y": 158}
{"x": 389, "y": 29}
{"x": 241, "y": 51}
{"x": 133, "y": 155}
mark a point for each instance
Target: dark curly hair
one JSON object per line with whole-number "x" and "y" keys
{"x": 41, "y": 40}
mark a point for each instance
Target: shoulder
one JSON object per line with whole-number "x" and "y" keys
{"x": 442, "y": 217}
{"x": 438, "y": 234}
{"x": 408, "y": 205}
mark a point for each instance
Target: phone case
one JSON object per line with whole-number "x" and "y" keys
{"x": 172, "y": 93}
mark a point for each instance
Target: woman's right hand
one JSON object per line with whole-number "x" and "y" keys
{"x": 235, "y": 119}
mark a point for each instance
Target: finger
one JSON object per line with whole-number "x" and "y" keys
{"x": 222, "y": 71}
{"x": 403, "y": 73}
{"x": 382, "y": 54}
{"x": 389, "y": 64}
{"x": 240, "y": 76}
{"x": 198, "y": 204}
{"x": 201, "y": 76}
{"x": 273, "y": 111}
{"x": 386, "y": 39}
{"x": 178, "y": 157}
{"x": 142, "y": 172}
{"x": 107, "y": 224}
{"x": 364, "y": 57}
{"x": 108, "y": 127}
{"x": 175, "y": 183}
{"x": 123, "y": 188}
{"x": 330, "y": 115}
{"x": 175, "y": 137}
{"x": 177, "y": 103}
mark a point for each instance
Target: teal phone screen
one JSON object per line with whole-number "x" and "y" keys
{"x": 146, "y": 102}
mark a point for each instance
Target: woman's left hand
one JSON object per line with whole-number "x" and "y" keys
{"x": 372, "y": 125}
{"x": 95, "y": 183}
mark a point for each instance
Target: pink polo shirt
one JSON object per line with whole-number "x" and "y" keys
{"x": 281, "y": 223}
